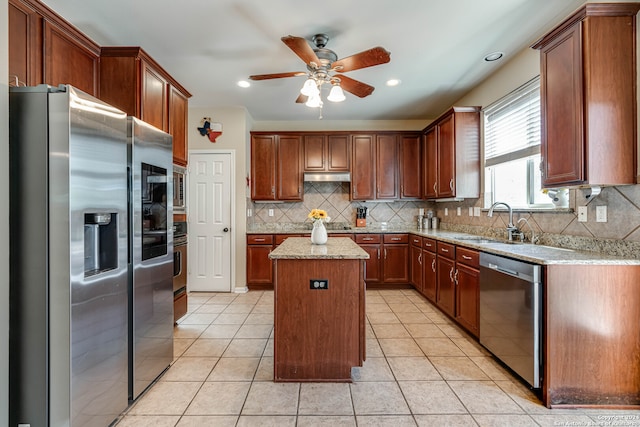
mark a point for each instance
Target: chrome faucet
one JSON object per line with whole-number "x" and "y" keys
{"x": 511, "y": 229}
{"x": 534, "y": 238}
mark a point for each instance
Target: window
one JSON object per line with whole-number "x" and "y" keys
{"x": 512, "y": 149}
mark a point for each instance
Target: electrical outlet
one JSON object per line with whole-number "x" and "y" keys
{"x": 446, "y": 211}
{"x": 249, "y": 213}
{"x": 582, "y": 214}
{"x": 476, "y": 211}
{"x": 270, "y": 212}
{"x": 470, "y": 210}
{"x": 601, "y": 214}
{"x": 459, "y": 211}
{"x": 318, "y": 283}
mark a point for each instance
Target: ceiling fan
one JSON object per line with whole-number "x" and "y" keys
{"x": 323, "y": 66}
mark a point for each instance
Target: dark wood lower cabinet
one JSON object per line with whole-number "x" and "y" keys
{"x": 468, "y": 293}
{"x": 416, "y": 266}
{"x": 259, "y": 266}
{"x": 430, "y": 276}
{"x": 446, "y": 288}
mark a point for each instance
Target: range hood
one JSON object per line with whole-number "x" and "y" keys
{"x": 328, "y": 176}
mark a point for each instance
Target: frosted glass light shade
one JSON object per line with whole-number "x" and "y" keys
{"x": 314, "y": 101}
{"x": 310, "y": 88}
{"x": 336, "y": 94}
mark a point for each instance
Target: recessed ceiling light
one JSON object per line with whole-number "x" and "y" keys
{"x": 393, "y": 82}
{"x": 244, "y": 83}
{"x": 494, "y": 56}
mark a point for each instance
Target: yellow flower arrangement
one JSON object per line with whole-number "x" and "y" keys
{"x": 319, "y": 214}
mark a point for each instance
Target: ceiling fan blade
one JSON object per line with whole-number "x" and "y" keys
{"x": 301, "y": 48}
{"x": 368, "y": 58}
{"x": 277, "y": 75}
{"x": 355, "y": 87}
{"x": 301, "y": 99}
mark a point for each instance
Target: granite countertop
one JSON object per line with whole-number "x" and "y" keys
{"x": 302, "y": 248}
{"x": 537, "y": 254}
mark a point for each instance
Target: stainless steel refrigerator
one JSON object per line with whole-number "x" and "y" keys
{"x": 151, "y": 243}
{"x": 68, "y": 249}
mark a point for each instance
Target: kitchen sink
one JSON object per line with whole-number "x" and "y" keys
{"x": 479, "y": 239}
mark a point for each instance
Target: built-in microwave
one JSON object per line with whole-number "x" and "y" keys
{"x": 179, "y": 189}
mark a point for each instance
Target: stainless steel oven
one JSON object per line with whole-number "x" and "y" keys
{"x": 179, "y": 189}
{"x": 179, "y": 256}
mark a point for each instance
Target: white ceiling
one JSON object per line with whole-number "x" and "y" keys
{"x": 437, "y": 47}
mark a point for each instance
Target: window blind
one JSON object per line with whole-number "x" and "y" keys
{"x": 512, "y": 125}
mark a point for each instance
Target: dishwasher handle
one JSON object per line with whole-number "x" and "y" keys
{"x": 503, "y": 270}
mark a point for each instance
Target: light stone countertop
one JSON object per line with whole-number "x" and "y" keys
{"x": 302, "y": 248}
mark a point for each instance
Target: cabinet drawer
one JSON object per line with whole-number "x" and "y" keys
{"x": 446, "y": 249}
{"x": 279, "y": 238}
{"x": 396, "y": 238}
{"x": 468, "y": 257}
{"x": 429, "y": 244}
{"x": 367, "y": 238}
{"x": 259, "y": 239}
{"x": 416, "y": 241}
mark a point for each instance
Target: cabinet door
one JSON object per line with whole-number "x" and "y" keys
{"x": 263, "y": 167}
{"x": 562, "y": 110}
{"x": 154, "y": 98}
{"x": 373, "y": 264}
{"x": 467, "y": 301}
{"x": 386, "y": 167}
{"x": 395, "y": 264}
{"x": 416, "y": 268}
{"x": 446, "y": 157}
{"x": 446, "y": 292}
{"x": 363, "y": 168}
{"x": 178, "y": 111}
{"x": 259, "y": 266}
{"x": 430, "y": 163}
{"x": 338, "y": 153}
{"x": 66, "y": 61}
{"x": 289, "y": 168}
{"x": 410, "y": 167}
{"x": 314, "y": 147}
{"x": 25, "y": 45}
{"x": 429, "y": 280}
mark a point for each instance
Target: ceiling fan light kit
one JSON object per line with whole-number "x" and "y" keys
{"x": 323, "y": 66}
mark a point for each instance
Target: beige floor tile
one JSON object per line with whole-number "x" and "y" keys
{"x": 238, "y": 308}
{"x": 223, "y": 299}
{"x": 392, "y": 330}
{"x": 211, "y": 309}
{"x": 428, "y": 330}
{"x": 407, "y": 307}
{"x": 220, "y": 331}
{"x": 374, "y": 299}
{"x": 439, "y": 347}
{"x": 413, "y": 368}
{"x": 198, "y": 319}
{"x": 265, "y": 370}
{"x": 400, "y": 347}
{"x": 369, "y": 331}
{"x": 165, "y": 398}
{"x": 268, "y": 350}
{"x": 526, "y": 399}
{"x": 437, "y": 317}
{"x": 254, "y": 331}
{"x": 413, "y": 317}
{"x": 219, "y": 398}
{"x": 484, "y": 397}
{"x": 325, "y": 399}
{"x": 266, "y": 421}
{"x": 431, "y": 397}
{"x": 198, "y": 299}
{"x": 203, "y": 420}
{"x": 203, "y": 347}
{"x": 231, "y": 319}
{"x": 190, "y": 369}
{"x": 458, "y": 369}
{"x": 385, "y": 420}
{"x": 188, "y": 331}
{"x": 491, "y": 368}
{"x": 148, "y": 421}
{"x": 382, "y": 318}
{"x": 267, "y": 398}
{"x": 395, "y": 298}
{"x": 377, "y": 308}
{"x": 451, "y": 330}
{"x": 508, "y": 421}
{"x": 263, "y": 309}
{"x": 470, "y": 347}
{"x": 373, "y": 348}
{"x": 445, "y": 420}
{"x": 235, "y": 369}
{"x": 373, "y": 369}
{"x": 180, "y": 345}
{"x": 246, "y": 347}
{"x": 378, "y": 398}
{"x": 326, "y": 421}
{"x": 259, "y": 319}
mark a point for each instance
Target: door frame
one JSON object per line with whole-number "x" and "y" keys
{"x": 232, "y": 196}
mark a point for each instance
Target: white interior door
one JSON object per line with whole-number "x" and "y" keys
{"x": 209, "y": 217}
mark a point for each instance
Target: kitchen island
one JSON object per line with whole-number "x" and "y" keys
{"x": 319, "y": 292}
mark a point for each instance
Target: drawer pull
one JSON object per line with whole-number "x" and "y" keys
{"x": 395, "y": 238}
{"x": 466, "y": 257}
{"x": 259, "y": 240}
{"x": 444, "y": 250}
{"x": 367, "y": 238}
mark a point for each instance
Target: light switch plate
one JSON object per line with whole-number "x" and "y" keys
{"x": 270, "y": 212}
{"x": 476, "y": 211}
{"x": 582, "y": 214}
{"x": 601, "y": 214}
{"x": 446, "y": 211}
{"x": 470, "y": 210}
{"x": 459, "y": 211}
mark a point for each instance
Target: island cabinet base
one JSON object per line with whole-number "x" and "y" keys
{"x": 592, "y": 338}
{"x": 319, "y": 333}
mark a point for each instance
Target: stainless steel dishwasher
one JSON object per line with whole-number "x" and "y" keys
{"x": 511, "y": 314}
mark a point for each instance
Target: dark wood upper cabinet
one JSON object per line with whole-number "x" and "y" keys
{"x": 386, "y": 166}
{"x": 178, "y": 116}
{"x": 452, "y": 155}
{"x": 315, "y": 148}
{"x": 338, "y": 153}
{"x": 363, "y": 167}
{"x": 25, "y": 45}
{"x": 263, "y": 167}
{"x": 588, "y": 97}
{"x": 326, "y": 152}
{"x": 410, "y": 167}
{"x": 289, "y": 168}
{"x": 276, "y": 167}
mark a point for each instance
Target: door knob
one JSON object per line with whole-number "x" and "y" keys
{"x": 226, "y": 229}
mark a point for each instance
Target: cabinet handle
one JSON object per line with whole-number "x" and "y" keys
{"x": 385, "y": 253}
{"x": 434, "y": 186}
{"x": 259, "y": 240}
{"x": 420, "y": 259}
{"x": 444, "y": 250}
{"x": 367, "y": 238}
{"x": 455, "y": 277}
{"x": 466, "y": 257}
{"x": 451, "y": 184}
{"x": 273, "y": 189}
{"x": 378, "y": 253}
{"x": 433, "y": 265}
{"x": 541, "y": 166}
{"x": 451, "y": 274}
{"x": 395, "y": 238}
{"x": 428, "y": 245}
